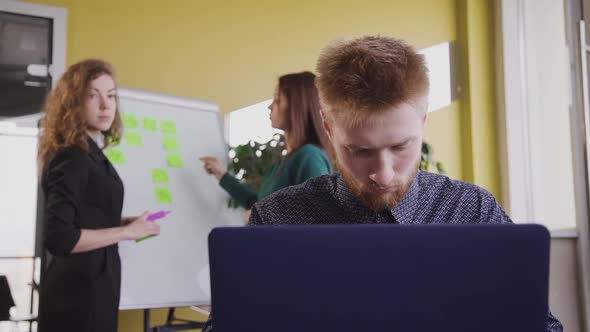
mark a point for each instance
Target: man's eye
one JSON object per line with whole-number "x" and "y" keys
{"x": 362, "y": 152}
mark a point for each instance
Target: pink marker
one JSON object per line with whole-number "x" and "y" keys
{"x": 158, "y": 215}
{"x": 153, "y": 217}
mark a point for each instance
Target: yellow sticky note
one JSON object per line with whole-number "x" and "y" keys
{"x": 116, "y": 156}
{"x": 168, "y": 127}
{"x": 174, "y": 160}
{"x": 170, "y": 143}
{"x": 150, "y": 124}
{"x": 159, "y": 175}
{"x": 133, "y": 139}
{"x": 163, "y": 195}
{"x": 130, "y": 121}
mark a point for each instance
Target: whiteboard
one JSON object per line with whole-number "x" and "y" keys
{"x": 170, "y": 270}
{"x": 18, "y": 183}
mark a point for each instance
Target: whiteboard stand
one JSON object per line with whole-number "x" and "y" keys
{"x": 172, "y": 323}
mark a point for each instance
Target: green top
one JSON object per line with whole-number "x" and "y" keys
{"x": 307, "y": 162}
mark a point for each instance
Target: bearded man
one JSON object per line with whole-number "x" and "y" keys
{"x": 374, "y": 95}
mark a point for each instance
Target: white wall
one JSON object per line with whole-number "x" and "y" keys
{"x": 550, "y": 101}
{"x": 535, "y": 101}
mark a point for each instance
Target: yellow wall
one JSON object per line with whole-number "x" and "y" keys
{"x": 443, "y": 128}
{"x": 475, "y": 26}
{"x": 231, "y": 52}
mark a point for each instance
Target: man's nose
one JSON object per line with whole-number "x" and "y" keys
{"x": 383, "y": 172}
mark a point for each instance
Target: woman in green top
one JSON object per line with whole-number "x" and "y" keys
{"x": 296, "y": 110}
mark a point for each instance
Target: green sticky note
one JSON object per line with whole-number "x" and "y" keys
{"x": 168, "y": 127}
{"x": 163, "y": 195}
{"x": 130, "y": 121}
{"x": 170, "y": 143}
{"x": 150, "y": 124}
{"x": 116, "y": 156}
{"x": 174, "y": 160}
{"x": 159, "y": 175}
{"x": 134, "y": 139}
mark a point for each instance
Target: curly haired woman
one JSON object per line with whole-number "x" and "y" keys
{"x": 83, "y": 203}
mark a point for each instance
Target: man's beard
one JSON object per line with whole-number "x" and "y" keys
{"x": 371, "y": 199}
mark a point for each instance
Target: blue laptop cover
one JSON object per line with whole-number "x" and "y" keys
{"x": 380, "y": 278}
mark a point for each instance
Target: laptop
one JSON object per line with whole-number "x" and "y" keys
{"x": 380, "y": 278}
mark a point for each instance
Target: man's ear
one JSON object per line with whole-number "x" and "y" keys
{"x": 326, "y": 124}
